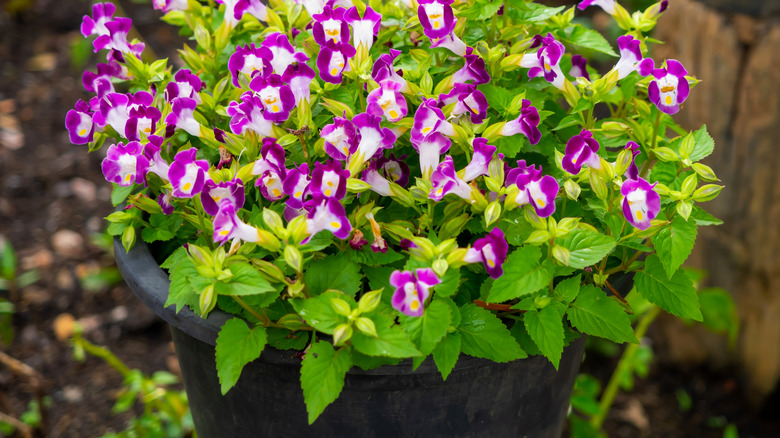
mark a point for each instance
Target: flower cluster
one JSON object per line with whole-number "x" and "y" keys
{"x": 309, "y": 157}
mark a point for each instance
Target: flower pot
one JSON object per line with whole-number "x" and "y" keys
{"x": 525, "y": 397}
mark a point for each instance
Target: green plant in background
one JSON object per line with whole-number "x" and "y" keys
{"x": 591, "y": 405}
{"x": 165, "y": 411}
{"x": 12, "y": 282}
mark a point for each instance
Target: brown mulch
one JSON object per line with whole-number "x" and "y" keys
{"x": 52, "y": 203}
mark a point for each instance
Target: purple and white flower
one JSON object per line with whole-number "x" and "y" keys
{"x": 641, "y": 203}
{"x": 445, "y": 181}
{"x": 102, "y": 13}
{"x": 329, "y": 180}
{"x": 249, "y": 60}
{"x": 100, "y": 82}
{"x": 327, "y": 214}
{"x": 630, "y": 55}
{"x": 276, "y": 96}
{"x": 330, "y": 27}
{"x": 114, "y": 110}
{"x": 387, "y": 101}
{"x": 669, "y": 88}
{"x": 581, "y": 149}
{"x": 579, "y": 66}
{"x": 157, "y": 165}
{"x": 79, "y": 123}
{"x": 228, "y": 226}
{"x": 182, "y": 116}
{"x": 436, "y": 17}
{"x": 607, "y": 5}
{"x": 430, "y": 149}
{"x": 248, "y": 114}
{"x": 165, "y": 199}
{"x": 282, "y": 52}
{"x": 412, "y": 289}
{"x": 270, "y": 168}
{"x": 116, "y": 39}
{"x": 187, "y": 175}
{"x": 215, "y": 194}
{"x": 527, "y": 123}
{"x": 377, "y": 181}
{"x": 491, "y": 250}
{"x": 428, "y": 120}
{"x": 452, "y": 43}
{"x": 170, "y": 5}
{"x": 533, "y": 188}
{"x": 373, "y": 137}
{"x": 363, "y": 29}
{"x": 296, "y": 185}
{"x": 299, "y": 76}
{"x": 468, "y": 100}
{"x": 473, "y": 70}
{"x": 332, "y": 61}
{"x": 546, "y": 61}
{"x": 142, "y": 120}
{"x": 394, "y": 169}
{"x": 383, "y": 69}
{"x": 341, "y": 138}
{"x": 478, "y": 166}
{"x": 125, "y": 165}
{"x": 184, "y": 84}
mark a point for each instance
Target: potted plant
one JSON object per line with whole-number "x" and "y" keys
{"x": 411, "y": 191}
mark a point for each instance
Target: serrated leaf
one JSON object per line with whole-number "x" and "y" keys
{"x": 676, "y": 295}
{"x": 446, "y": 354}
{"x": 704, "y": 218}
{"x": 546, "y": 330}
{"x": 596, "y": 314}
{"x": 181, "y": 292}
{"x": 237, "y": 345}
{"x": 427, "y": 330}
{"x": 703, "y": 144}
{"x": 531, "y": 12}
{"x": 333, "y": 272}
{"x": 246, "y": 280}
{"x": 586, "y": 247}
{"x": 391, "y": 340}
{"x": 322, "y": 376}
{"x": 449, "y": 284}
{"x": 119, "y": 193}
{"x": 590, "y": 39}
{"x": 523, "y": 274}
{"x": 568, "y": 289}
{"x": 485, "y": 336}
{"x": 675, "y": 243}
{"x": 367, "y": 256}
{"x": 499, "y": 98}
{"x": 318, "y": 311}
{"x": 481, "y": 11}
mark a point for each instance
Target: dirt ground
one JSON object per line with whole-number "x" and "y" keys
{"x": 52, "y": 201}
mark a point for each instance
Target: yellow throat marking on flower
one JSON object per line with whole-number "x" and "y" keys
{"x": 333, "y": 32}
{"x": 491, "y": 263}
{"x": 128, "y": 177}
{"x": 667, "y": 89}
{"x": 334, "y": 71}
{"x": 427, "y": 129}
{"x": 393, "y": 114}
{"x": 147, "y": 130}
{"x": 276, "y": 192}
{"x": 540, "y": 202}
{"x": 275, "y": 108}
{"x": 475, "y": 110}
{"x": 329, "y": 183}
{"x": 668, "y": 100}
{"x": 298, "y": 194}
{"x": 335, "y": 224}
{"x": 547, "y": 66}
{"x": 224, "y": 232}
{"x": 328, "y": 192}
{"x": 187, "y": 187}
{"x": 82, "y": 132}
{"x": 269, "y": 100}
{"x": 639, "y": 215}
{"x": 216, "y": 198}
{"x": 415, "y": 305}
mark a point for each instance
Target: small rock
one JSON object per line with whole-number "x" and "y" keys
{"x": 118, "y": 314}
{"x": 68, "y": 243}
{"x": 36, "y": 295}
{"x": 84, "y": 190}
{"x": 72, "y": 394}
{"x": 63, "y": 326}
{"x": 65, "y": 280}
{"x": 38, "y": 260}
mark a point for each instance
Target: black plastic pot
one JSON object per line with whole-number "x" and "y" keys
{"x": 480, "y": 398}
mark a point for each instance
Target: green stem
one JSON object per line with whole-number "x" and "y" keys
{"x": 103, "y": 353}
{"x": 608, "y": 397}
{"x": 264, "y": 320}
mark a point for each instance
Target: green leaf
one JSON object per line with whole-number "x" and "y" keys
{"x": 247, "y": 280}
{"x": 570, "y": 120}
{"x": 523, "y": 275}
{"x": 333, "y": 272}
{"x": 318, "y": 312}
{"x": 481, "y": 10}
{"x": 590, "y": 39}
{"x": 546, "y": 329}
{"x": 586, "y": 247}
{"x": 676, "y": 295}
{"x": 237, "y": 345}
{"x": 674, "y": 243}
{"x": 449, "y": 284}
{"x": 485, "y": 336}
{"x": 427, "y": 330}
{"x": 446, "y": 353}
{"x": 181, "y": 291}
{"x": 596, "y": 314}
{"x": 119, "y": 194}
{"x": 283, "y": 339}
{"x": 499, "y": 98}
{"x": 567, "y": 290}
{"x": 703, "y": 218}
{"x": 391, "y": 340}
{"x": 322, "y": 376}
{"x": 367, "y": 256}
{"x": 719, "y": 312}
{"x": 530, "y": 12}
{"x": 703, "y": 144}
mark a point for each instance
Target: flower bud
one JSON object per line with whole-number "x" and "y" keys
{"x": 686, "y": 146}
{"x": 532, "y": 218}
{"x": 689, "y": 185}
{"x": 492, "y": 185}
{"x": 612, "y": 129}
{"x": 297, "y": 228}
{"x": 146, "y": 204}
{"x": 273, "y": 221}
{"x": 566, "y": 226}
{"x": 623, "y": 161}
{"x": 492, "y": 213}
{"x": 705, "y": 172}
{"x": 370, "y": 301}
{"x": 598, "y": 186}
{"x": 207, "y": 300}
{"x": 572, "y": 189}
{"x": 496, "y": 170}
{"x": 684, "y": 208}
{"x": 446, "y": 246}
{"x": 424, "y": 249}
{"x": 268, "y": 269}
{"x": 128, "y": 238}
{"x": 340, "y": 306}
{"x": 291, "y": 321}
{"x": 706, "y": 192}
{"x": 268, "y": 240}
{"x": 453, "y": 226}
{"x": 355, "y": 185}
{"x": 665, "y": 154}
{"x": 493, "y": 132}
{"x": 293, "y": 258}
{"x": 561, "y": 254}
{"x": 456, "y": 256}
{"x": 662, "y": 189}
{"x": 400, "y": 194}
{"x": 367, "y": 326}
{"x": 342, "y": 334}
{"x": 295, "y": 289}
{"x": 478, "y": 200}
{"x": 440, "y": 267}
{"x": 538, "y": 237}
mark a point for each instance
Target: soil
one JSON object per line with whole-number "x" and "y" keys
{"x": 53, "y": 199}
